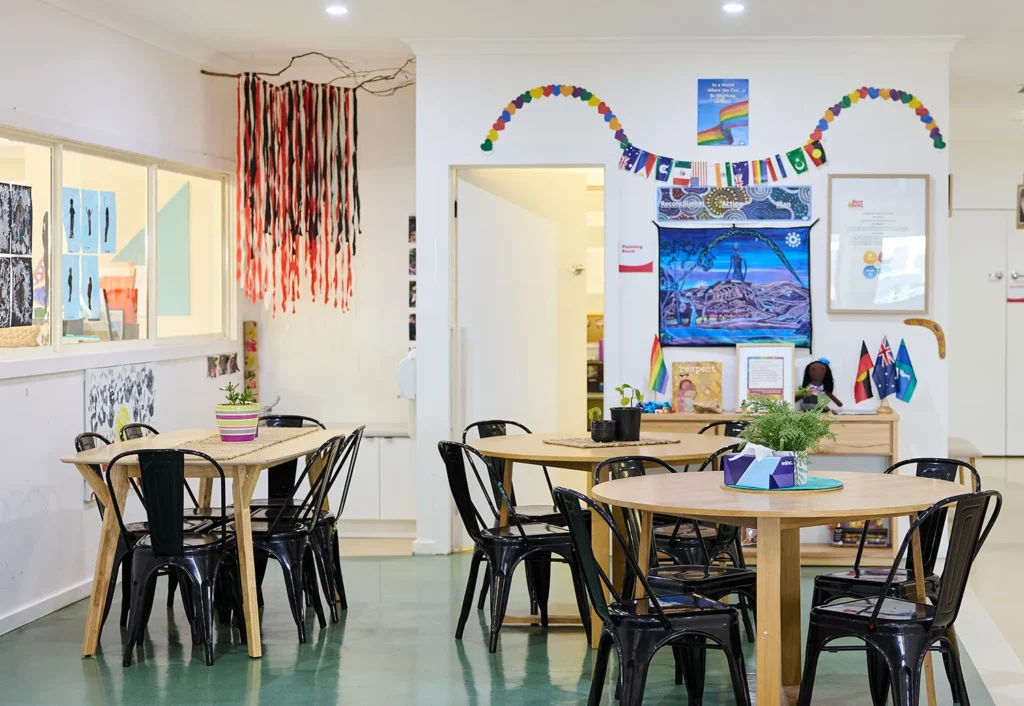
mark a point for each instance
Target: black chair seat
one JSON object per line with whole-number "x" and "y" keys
{"x": 193, "y": 542}
{"x": 263, "y": 527}
{"x": 532, "y": 532}
{"x": 540, "y": 513}
{"x": 867, "y": 583}
{"x": 715, "y": 581}
{"x": 683, "y": 605}
{"x": 686, "y": 531}
{"x": 893, "y": 610}
{"x": 139, "y": 529}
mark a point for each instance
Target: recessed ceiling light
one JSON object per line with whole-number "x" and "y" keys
{"x": 733, "y": 8}
{"x": 337, "y": 10}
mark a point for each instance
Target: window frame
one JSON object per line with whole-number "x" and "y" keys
{"x": 57, "y": 357}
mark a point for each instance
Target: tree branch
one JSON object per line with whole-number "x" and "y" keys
{"x": 365, "y": 79}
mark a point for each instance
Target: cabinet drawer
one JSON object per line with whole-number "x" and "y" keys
{"x": 864, "y": 439}
{"x": 672, "y": 427}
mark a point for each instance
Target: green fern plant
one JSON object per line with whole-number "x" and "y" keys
{"x": 776, "y": 424}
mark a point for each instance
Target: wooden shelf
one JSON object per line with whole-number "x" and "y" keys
{"x": 828, "y": 555}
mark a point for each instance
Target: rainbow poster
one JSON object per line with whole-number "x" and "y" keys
{"x": 723, "y": 111}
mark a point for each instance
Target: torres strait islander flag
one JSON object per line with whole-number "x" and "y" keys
{"x": 862, "y": 385}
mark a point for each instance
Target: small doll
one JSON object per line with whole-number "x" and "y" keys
{"x": 817, "y": 381}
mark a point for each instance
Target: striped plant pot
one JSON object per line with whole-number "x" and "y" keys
{"x": 237, "y": 422}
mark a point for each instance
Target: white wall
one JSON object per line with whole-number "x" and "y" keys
{"x": 651, "y": 88}
{"x": 77, "y": 80}
{"x": 341, "y": 367}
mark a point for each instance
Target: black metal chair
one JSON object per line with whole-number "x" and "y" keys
{"x": 638, "y": 628}
{"x": 504, "y": 547}
{"x": 281, "y": 478}
{"x": 698, "y": 577}
{"x": 898, "y": 632}
{"x": 286, "y": 535}
{"x": 867, "y": 582}
{"x": 729, "y": 428}
{"x": 197, "y": 559}
{"x": 324, "y": 539}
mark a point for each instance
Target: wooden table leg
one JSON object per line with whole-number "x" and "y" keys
{"x": 242, "y": 488}
{"x": 600, "y": 544}
{"x": 644, "y": 548}
{"x": 507, "y": 485}
{"x": 792, "y": 640}
{"x": 769, "y": 612}
{"x": 919, "y": 590}
{"x": 205, "y": 496}
{"x": 105, "y": 553}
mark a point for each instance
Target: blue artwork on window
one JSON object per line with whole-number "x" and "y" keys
{"x": 108, "y": 222}
{"x": 71, "y": 200}
{"x": 90, "y": 221}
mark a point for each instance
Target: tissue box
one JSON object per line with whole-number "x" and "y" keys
{"x": 766, "y": 473}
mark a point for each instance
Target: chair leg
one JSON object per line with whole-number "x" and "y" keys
{"x": 582, "y": 602}
{"x": 501, "y": 579}
{"x": 126, "y": 588}
{"x": 693, "y": 665}
{"x": 636, "y": 660}
{"x": 604, "y": 648}
{"x": 322, "y": 555}
{"x": 141, "y": 583}
{"x": 260, "y": 567}
{"x": 338, "y": 578}
{"x": 172, "y": 585}
{"x": 955, "y": 673}
{"x": 878, "y": 676}
{"x": 310, "y": 587}
{"x": 207, "y": 618}
{"x": 813, "y": 651}
{"x": 467, "y": 602}
{"x": 292, "y": 571}
{"x": 539, "y": 565}
{"x": 531, "y": 587}
{"x": 746, "y": 609}
{"x": 484, "y": 588}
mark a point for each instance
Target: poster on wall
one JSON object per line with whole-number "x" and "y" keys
{"x": 71, "y": 204}
{"x": 90, "y": 218}
{"x": 21, "y": 291}
{"x": 5, "y": 292}
{"x": 878, "y": 230}
{"x": 729, "y": 286}
{"x": 71, "y": 274}
{"x": 5, "y": 219}
{"x": 250, "y": 356}
{"x": 89, "y": 287}
{"x": 20, "y": 225}
{"x": 696, "y": 384}
{"x": 412, "y": 230}
{"x": 117, "y": 396}
{"x": 723, "y": 111}
{"x": 108, "y": 222}
{"x": 635, "y": 257}
{"x": 738, "y": 203}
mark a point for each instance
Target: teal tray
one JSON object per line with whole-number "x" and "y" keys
{"x": 815, "y": 484}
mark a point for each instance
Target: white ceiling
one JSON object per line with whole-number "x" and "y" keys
{"x": 987, "y": 65}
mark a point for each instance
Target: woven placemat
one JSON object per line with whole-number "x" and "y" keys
{"x": 219, "y": 450}
{"x": 585, "y": 442}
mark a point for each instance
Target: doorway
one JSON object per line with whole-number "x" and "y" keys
{"x": 528, "y": 283}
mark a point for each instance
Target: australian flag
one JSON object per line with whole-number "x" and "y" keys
{"x": 884, "y": 373}
{"x": 629, "y": 158}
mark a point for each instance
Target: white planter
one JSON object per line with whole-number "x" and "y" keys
{"x": 800, "y": 463}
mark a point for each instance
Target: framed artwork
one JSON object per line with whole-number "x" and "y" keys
{"x": 696, "y": 383}
{"x": 878, "y": 243}
{"x": 765, "y": 370}
{"x": 728, "y": 286}
{"x": 1019, "y": 210}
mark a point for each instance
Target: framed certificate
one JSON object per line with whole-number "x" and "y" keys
{"x": 764, "y": 371}
{"x": 878, "y": 243}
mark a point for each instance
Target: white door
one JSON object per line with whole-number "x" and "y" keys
{"x": 521, "y": 308}
{"x": 1014, "y": 275}
{"x": 981, "y": 410}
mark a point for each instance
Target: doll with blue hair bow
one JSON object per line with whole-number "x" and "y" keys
{"x": 817, "y": 381}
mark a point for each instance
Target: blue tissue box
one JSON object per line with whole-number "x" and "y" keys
{"x": 765, "y": 473}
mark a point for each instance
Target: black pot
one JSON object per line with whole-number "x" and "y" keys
{"x": 603, "y": 430}
{"x": 627, "y": 423}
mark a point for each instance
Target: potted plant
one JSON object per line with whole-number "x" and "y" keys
{"x": 238, "y": 419}
{"x": 601, "y": 430}
{"x": 627, "y": 417}
{"x": 778, "y": 426}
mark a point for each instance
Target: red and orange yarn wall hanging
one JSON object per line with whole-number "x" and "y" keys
{"x": 297, "y": 203}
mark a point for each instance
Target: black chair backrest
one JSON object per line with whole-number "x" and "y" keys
{"x": 966, "y": 537}
{"x": 946, "y": 469}
{"x": 714, "y": 460}
{"x": 347, "y": 464}
{"x": 635, "y": 467}
{"x": 163, "y": 480}
{"x": 568, "y": 503}
{"x": 137, "y": 430}
{"x": 729, "y": 428}
{"x": 88, "y": 441}
{"x": 455, "y": 456}
{"x": 281, "y": 478}
{"x": 499, "y": 427}
{"x": 308, "y": 511}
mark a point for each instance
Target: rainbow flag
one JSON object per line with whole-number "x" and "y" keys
{"x": 729, "y": 118}
{"x": 659, "y": 373}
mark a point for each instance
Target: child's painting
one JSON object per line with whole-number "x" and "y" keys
{"x": 724, "y": 286}
{"x": 696, "y": 383}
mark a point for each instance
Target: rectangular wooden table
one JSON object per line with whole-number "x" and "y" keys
{"x": 280, "y": 446}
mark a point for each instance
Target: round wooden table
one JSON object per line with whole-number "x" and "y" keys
{"x": 531, "y": 449}
{"x": 778, "y": 518}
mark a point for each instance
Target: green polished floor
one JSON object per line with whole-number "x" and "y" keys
{"x": 395, "y": 646}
